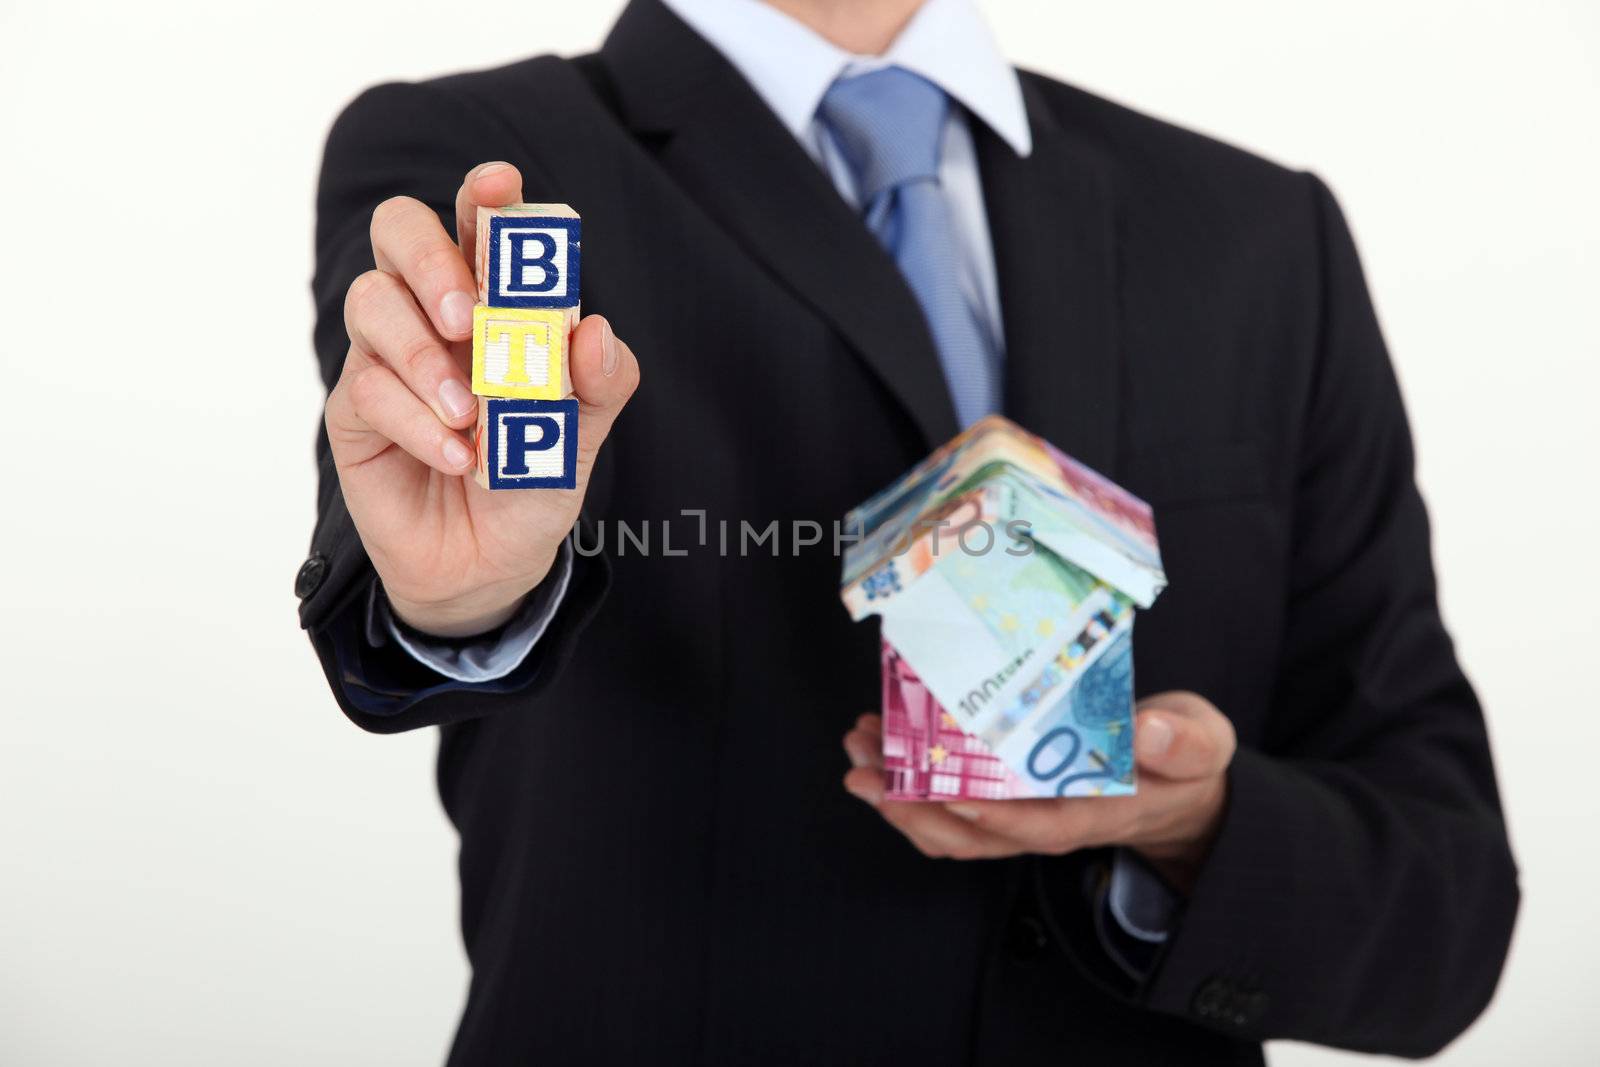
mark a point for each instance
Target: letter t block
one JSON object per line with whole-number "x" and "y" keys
{"x": 521, "y": 353}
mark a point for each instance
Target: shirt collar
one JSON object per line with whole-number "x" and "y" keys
{"x": 790, "y": 66}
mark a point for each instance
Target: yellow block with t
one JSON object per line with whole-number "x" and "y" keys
{"x": 521, "y": 352}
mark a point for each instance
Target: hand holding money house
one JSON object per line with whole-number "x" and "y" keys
{"x": 1006, "y": 575}
{"x": 528, "y": 260}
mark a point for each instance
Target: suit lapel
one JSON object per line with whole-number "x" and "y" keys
{"x": 1052, "y": 222}
{"x": 732, "y": 156}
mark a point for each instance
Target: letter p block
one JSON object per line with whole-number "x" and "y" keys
{"x": 527, "y": 444}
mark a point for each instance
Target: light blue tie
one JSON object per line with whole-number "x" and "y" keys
{"x": 888, "y": 124}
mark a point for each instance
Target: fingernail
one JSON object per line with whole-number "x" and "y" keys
{"x": 1155, "y": 735}
{"x": 456, "y": 399}
{"x": 490, "y": 168}
{"x": 455, "y": 313}
{"x": 455, "y": 453}
{"x": 966, "y": 811}
{"x": 608, "y": 349}
{"x": 857, "y": 757}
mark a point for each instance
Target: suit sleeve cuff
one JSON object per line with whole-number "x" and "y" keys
{"x": 483, "y": 659}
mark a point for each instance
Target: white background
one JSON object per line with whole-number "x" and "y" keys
{"x": 201, "y": 862}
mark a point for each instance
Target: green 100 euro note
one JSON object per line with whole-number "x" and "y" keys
{"x": 979, "y": 629}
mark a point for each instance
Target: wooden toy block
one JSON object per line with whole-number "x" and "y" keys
{"x": 528, "y": 256}
{"x": 521, "y": 353}
{"x": 527, "y": 444}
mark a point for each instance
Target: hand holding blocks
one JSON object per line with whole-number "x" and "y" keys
{"x": 528, "y": 264}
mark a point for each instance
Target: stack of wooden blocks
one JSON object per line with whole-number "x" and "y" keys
{"x": 528, "y": 259}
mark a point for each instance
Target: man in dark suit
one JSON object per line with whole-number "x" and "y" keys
{"x": 640, "y": 749}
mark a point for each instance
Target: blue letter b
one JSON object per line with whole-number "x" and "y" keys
{"x": 521, "y": 260}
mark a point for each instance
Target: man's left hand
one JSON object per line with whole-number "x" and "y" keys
{"x": 1183, "y": 746}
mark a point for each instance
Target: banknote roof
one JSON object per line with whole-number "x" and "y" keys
{"x": 1017, "y": 485}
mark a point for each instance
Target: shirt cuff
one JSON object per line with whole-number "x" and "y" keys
{"x": 1140, "y": 902}
{"x": 485, "y": 659}
{"x": 1135, "y": 913}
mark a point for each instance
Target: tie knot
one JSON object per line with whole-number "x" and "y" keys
{"x": 887, "y": 124}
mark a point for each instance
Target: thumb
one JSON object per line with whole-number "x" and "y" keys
{"x": 604, "y": 375}
{"x": 1182, "y": 736}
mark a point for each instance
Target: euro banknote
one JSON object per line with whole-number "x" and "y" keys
{"x": 1050, "y": 499}
{"x": 978, "y": 630}
{"x": 1068, "y": 733}
{"x": 926, "y": 754}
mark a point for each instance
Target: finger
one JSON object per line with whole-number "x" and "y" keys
{"x": 933, "y": 830}
{"x": 604, "y": 375}
{"x": 864, "y": 748}
{"x": 486, "y": 185}
{"x": 408, "y": 240}
{"x": 865, "y": 784}
{"x": 1182, "y": 737}
{"x": 1049, "y": 826}
{"x": 871, "y": 721}
{"x": 371, "y": 406}
{"x": 353, "y": 442}
{"x": 383, "y": 321}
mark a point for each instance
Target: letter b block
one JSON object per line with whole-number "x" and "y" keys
{"x": 527, "y": 444}
{"x": 521, "y": 353}
{"x": 529, "y": 256}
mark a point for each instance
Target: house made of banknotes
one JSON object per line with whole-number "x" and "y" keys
{"x": 1006, "y": 575}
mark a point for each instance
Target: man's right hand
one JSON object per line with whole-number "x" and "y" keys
{"x": 455, "y": 559}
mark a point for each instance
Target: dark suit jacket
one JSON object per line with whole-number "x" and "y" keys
{"x": 658, "y": 864}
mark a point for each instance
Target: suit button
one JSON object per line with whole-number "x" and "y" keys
{"x": 1247, "y": 1008}
{"x": 1026, "y": 940}
{"x": 312, "y": 573}
{"x": 1211, "y": 1000}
